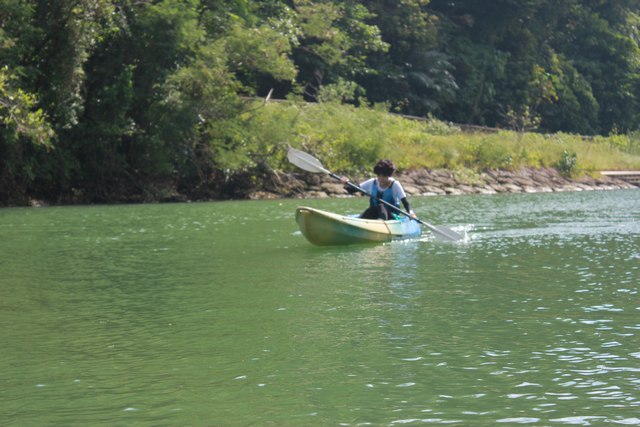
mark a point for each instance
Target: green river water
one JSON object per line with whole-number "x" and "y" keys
{"x": 222, "y": 314}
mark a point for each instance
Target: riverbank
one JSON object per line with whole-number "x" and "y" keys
{"x": 427, "y": 182}
{"x": 416, "y": 182}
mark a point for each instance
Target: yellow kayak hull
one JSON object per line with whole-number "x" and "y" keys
{"x": 326, "y": 228}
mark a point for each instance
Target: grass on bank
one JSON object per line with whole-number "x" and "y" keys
{"x": 349, "y": 140}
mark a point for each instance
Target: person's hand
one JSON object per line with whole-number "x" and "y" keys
{"x": 412, "y": 214}
{"x": 344, "y": 179}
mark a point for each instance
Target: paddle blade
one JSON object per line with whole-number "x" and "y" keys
{"x": 442, "y": 233}
{"x": 446, "y": 234}
{"x": 305, "y": 161}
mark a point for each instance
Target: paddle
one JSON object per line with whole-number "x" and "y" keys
{"x": 311, "y": 164}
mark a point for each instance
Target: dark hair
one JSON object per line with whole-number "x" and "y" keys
{"x": 384, "y": 168}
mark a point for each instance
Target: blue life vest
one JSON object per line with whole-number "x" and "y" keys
{"x": 386, "y": 195}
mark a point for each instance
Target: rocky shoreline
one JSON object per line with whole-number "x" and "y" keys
{"x": 416, "y": 182}
{"x": 428, "y": 182}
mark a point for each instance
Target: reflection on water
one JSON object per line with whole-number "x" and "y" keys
{"x": 222, "y": 314}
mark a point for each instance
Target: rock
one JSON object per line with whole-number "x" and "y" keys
{"x": 584, "y": 186}
{"x": 513, "y": 188}
{"x": 37, "y": 203}
{"x": 498, "y": 188}
{"x": 263, "y": 195}
{"x": 571, "y": 187}
{"x": 454, "y": 191}
{"x": 524, "y": 182}
{"x": 444, "y": 181}
{"x": 486, "y": 190}
{"x": 487, "y": 178}
{"x": 409, "y": 180}
{"x": 316, "y": 195}
{"x": 607, "y": 187}
{"x": 467, "y": 189}
{"x": 332, "y": 188}
{"x": 410, "y": 189}
{"x": 312, "y": 179}
{"x": 418, "y": 174}
{"x": 430, "y": 189}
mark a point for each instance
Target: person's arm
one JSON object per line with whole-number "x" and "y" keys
{"x": 407, "y": 207}
{"x": 350, "y": 189}
{"x": 366, "y": 185}
{"x": 403, "y": 198}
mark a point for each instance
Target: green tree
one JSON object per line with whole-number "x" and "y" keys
{"x": 332, "y": 42}
{"x": 68, "y": 30}
{"x": 605, "y": 50}
{"x": 112, "y": 144}
{"x": 572, "y": 64}
{"x": 201, "y": 114}
{"x": 21, "y": 118}
{"x": 415, "y": 76}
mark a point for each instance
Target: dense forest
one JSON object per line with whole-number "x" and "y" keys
{"x": 115, "y": 100}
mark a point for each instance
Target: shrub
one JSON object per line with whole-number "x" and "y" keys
{"x": 567, "y": 163}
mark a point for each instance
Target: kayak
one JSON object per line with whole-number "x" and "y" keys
{"x": 327, "y": 228}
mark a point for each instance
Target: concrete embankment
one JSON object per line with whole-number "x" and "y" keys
{"x": 427, "y": 182}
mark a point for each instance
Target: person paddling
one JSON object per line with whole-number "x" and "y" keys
{"x": 382, "y": 187}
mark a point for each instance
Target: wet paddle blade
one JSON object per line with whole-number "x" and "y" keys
{"x": 305, "y": 161}
{"x": 444, "y": 233}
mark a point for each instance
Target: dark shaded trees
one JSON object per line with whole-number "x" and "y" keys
{"x": 107, "y": 100}
{"x": 563, "y": 66}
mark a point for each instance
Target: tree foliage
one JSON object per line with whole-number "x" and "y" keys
{"x": 572, "y": 64}
{"x": 105, "y": 100}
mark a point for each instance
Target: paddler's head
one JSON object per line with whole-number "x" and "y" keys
{"x": 384, "y": 168}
